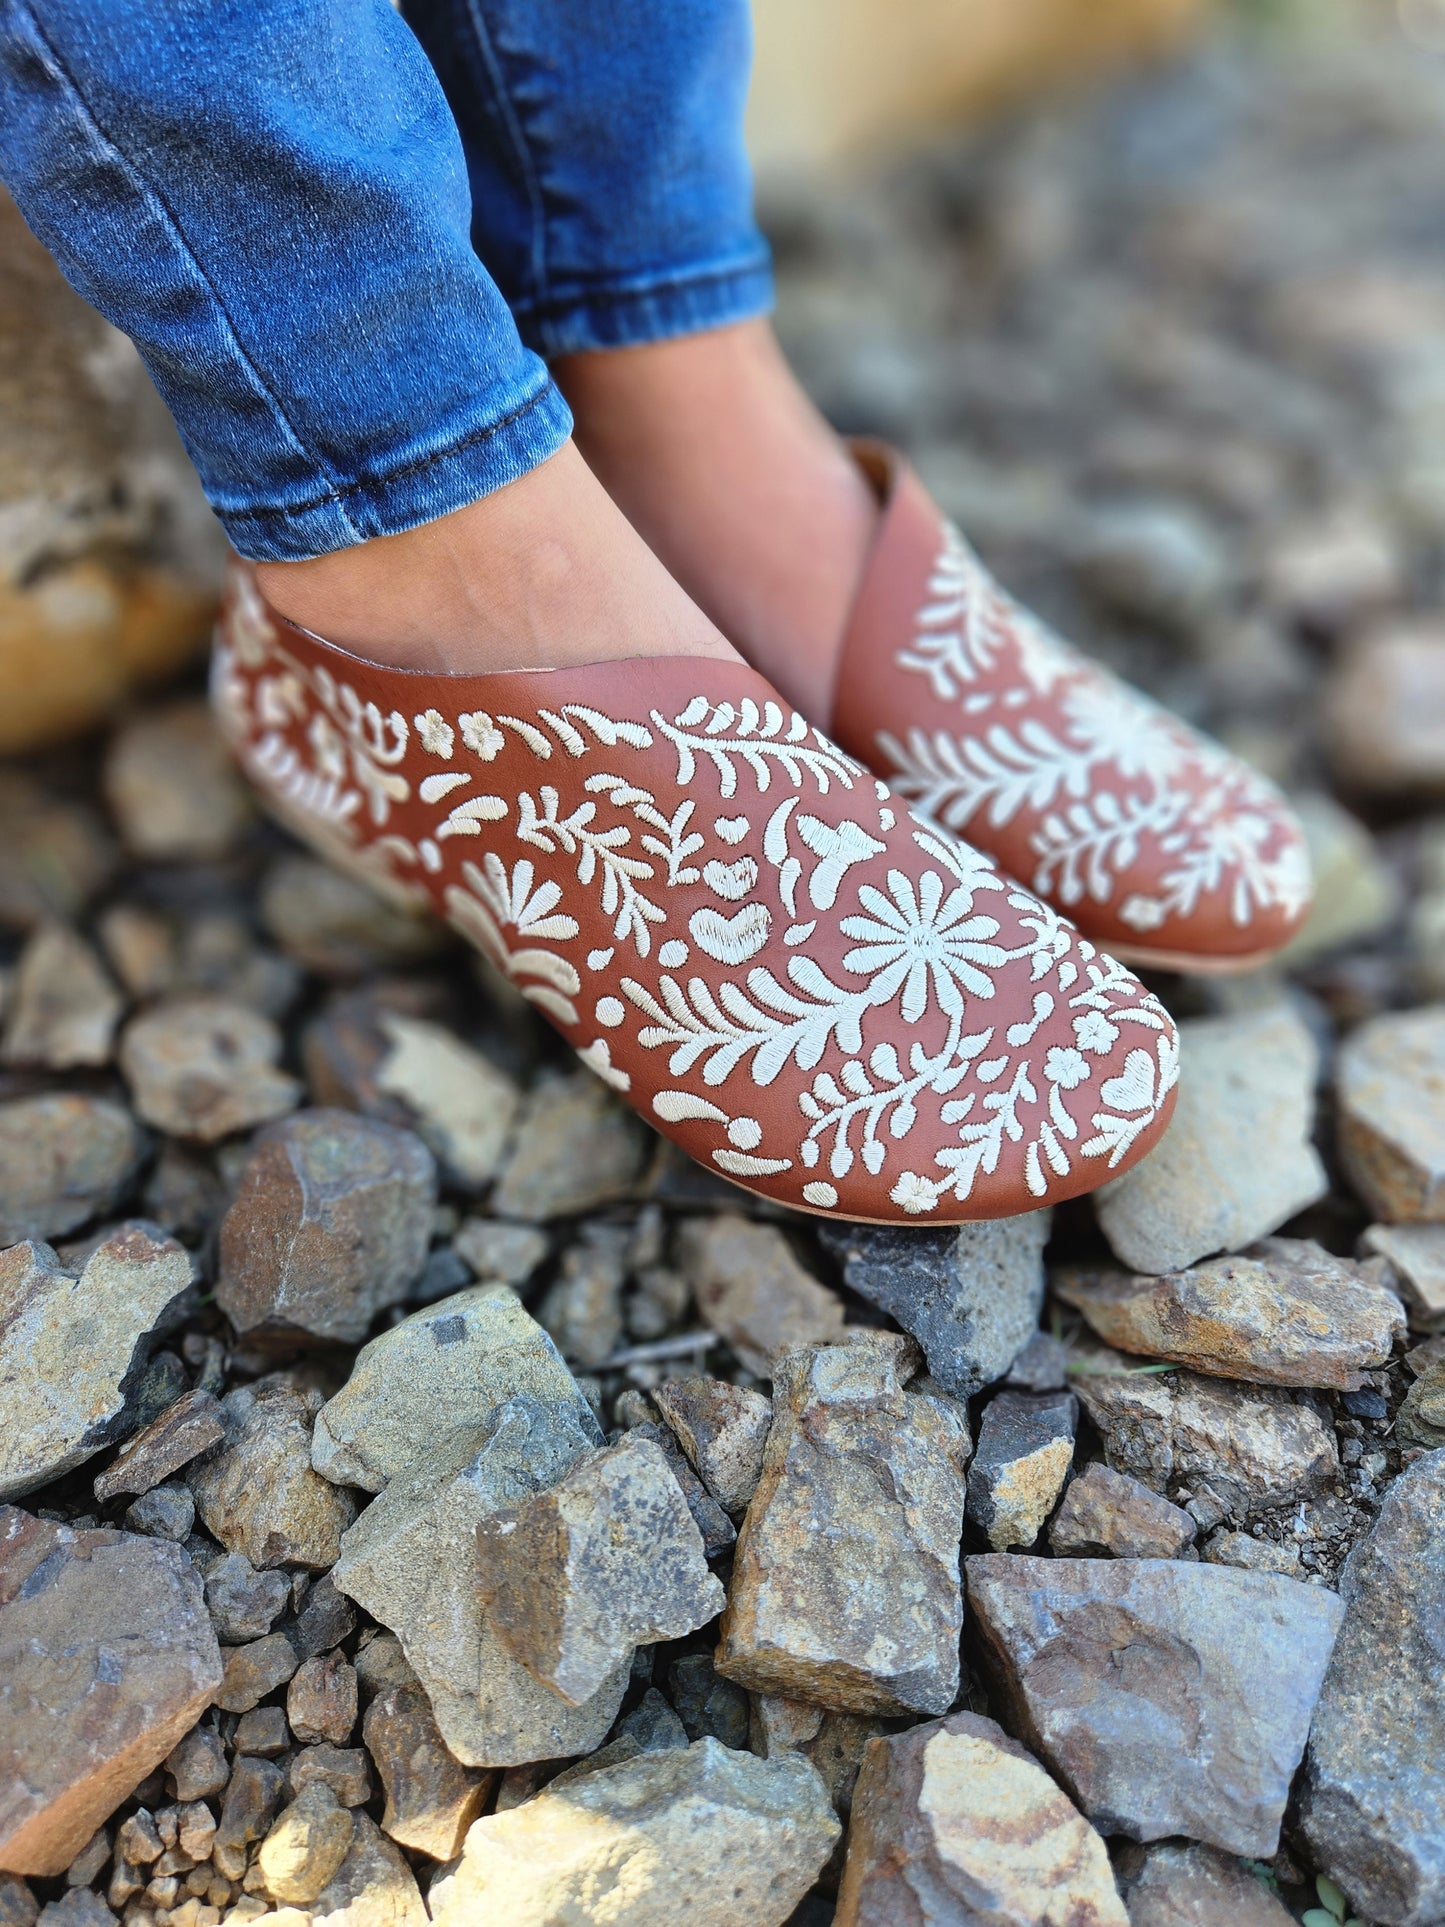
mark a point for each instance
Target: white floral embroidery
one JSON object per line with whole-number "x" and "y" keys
{"x": 1108, "y": 785}
{"x": 480, "y": 734}
{"x": 434, "y": 733}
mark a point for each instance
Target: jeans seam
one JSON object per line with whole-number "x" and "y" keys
{"x": 603, "y": 296}
{"x": 152, "y": 194}
{"x": 391, "y": 476}
{"x": 531, "y": 175}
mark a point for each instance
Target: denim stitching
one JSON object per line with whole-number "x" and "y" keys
{"x": 603, "y": 296}
{"x": 92, "y": 122}
{"x": 367, "y": 482}
{"x": 531, "y": 176}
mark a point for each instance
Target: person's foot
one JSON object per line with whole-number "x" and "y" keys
{"x": 545, "y": 573}
{"x": 719, "y": 460}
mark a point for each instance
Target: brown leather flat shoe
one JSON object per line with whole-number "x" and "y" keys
{"x": 1157, "y": 843}
{"x": 810, "y": 990}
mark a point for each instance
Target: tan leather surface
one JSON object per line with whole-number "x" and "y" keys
{"x": 737, "y": 927}
{"x": 1145, "y": 833}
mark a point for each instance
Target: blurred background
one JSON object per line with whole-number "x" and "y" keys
{"x": 1152, "y": 290}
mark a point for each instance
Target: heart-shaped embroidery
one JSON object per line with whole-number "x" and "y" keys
{"x": 731, "y": 940}
{"x": 1133, "y": 1088}
{"x": 731, "y": 881}
{"x": 732, "y": 829}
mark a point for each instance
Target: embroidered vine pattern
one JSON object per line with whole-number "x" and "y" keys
{"x": 1214, "y": 823}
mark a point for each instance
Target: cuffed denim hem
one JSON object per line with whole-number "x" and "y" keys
{"x": 469, "y": 466}
{"x": 626, "y": 314}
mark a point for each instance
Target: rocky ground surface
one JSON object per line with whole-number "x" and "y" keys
{"x": 426, "y": 1496}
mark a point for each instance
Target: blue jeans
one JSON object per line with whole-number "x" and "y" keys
{"x": 288, "y": 205}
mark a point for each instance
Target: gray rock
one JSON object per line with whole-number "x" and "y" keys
{"x": 575, "y": 1148}
{"x": 1357, "y": 894}
{"x": 73, "y": 1349}
{"x": 254, "y": 1671}
{"x": 165, "y": 1512}
{"x": 752, "y": 1290}
{"x": 1236, "y": 1161}
{"x": 1254, "y": 1448}
{"x": 259, "y": 1495}
{"x": 173, "y": 786}
{"x": 1421, "y": 1418}
{"x": 1158, "y": 561}
{"x": 706, "y": 1702}
{"x": 330, "y": 1225}
{"x": 954, "y": 1825}
{"x": 64, "y": 1008}
{"x": 505, "y": 1254}
{"x": 860, "y": 1477}
{"x": 705, "y": 1834}
{"x": 373, "y": 1886}
{"x": 971, "y": 1296}
{"x": 1105, "y": 1514}
{"x": 264, "y": 1731}
{"x": 1181, "y": 1884}
{"x": 1415, "y": 1254}
{"x": 244, "y": 1603}
{"x": 431, "y": 1798}
{"x": 18, "y": 1905}
{"x": 344, "y": 1771}
{"x": 461, "y": 1104}
{"x": 252, "y": 1799}
{"x": 321, "y": 1700}
{"x": 410, "y": 1561}
{"x": 1025, "y": 1448}
{"x": 717, "y": 1529}
{"x": 1284, "y": 1312}
{"x": 182, "y": 1432}
{"x": 1243, "y": 1550}
{"x": 1042, "y": 1365}
{"x": 196, "y": 1768}
{"x": 333, "y": 924}
{"x": 576, "y": 1577}
{"x": 106, "y": 1658}
{"x": 326, "y": 1619}
{"x": 305, "y": 1846}
{"x": 1373, "y": 1806}
{"x": 582, "y": 1310}
{"x": 363, "y": 1055}
{"x": 64, "y": 1158}
{"x": 205, "y": 1068}
{"x": 79, "y": 1908}
{"x": 1389, "y": 1080}
{"x": 1199, "y": 1730}
{"x": 723, "y": 1429}
{"x": 1383, "y": 711}
{"x": 449, "y": 1368}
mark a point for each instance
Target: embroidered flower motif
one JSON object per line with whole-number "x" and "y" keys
{"x": 913, "y": 938}
{"x": 513, "y": 900}
{"x": 1065, "y": 1067}
{"x": 480, "y": 734}
{"x": 434, "y": 733}
{"x": 913, "y": 1194}
{"x": 1093, "y": 1032}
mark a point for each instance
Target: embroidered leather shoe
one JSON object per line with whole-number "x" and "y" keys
{"x": 1156, "y": 842}
{"x": 809, "y": 989}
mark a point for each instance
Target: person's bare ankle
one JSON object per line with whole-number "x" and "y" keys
{"x": 542, "y": 574}
{"x": 721, "y": 462}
